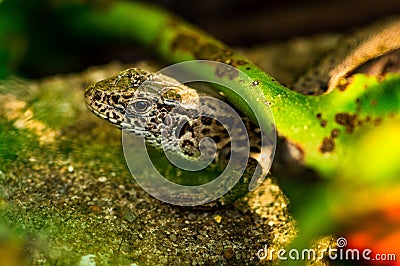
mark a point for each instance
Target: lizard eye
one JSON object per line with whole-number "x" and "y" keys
{"x": 140, "y": 106}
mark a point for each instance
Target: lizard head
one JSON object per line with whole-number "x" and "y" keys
{"x": 147, "y": 105}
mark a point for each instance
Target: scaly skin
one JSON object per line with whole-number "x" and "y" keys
{"x": 174, "y": 117}
{"x": 154, "y": 105}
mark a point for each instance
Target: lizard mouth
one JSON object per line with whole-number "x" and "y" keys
{"x": 107, "y": 112}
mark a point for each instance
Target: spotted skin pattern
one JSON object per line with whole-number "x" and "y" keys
{"x": 155, "y": 106}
